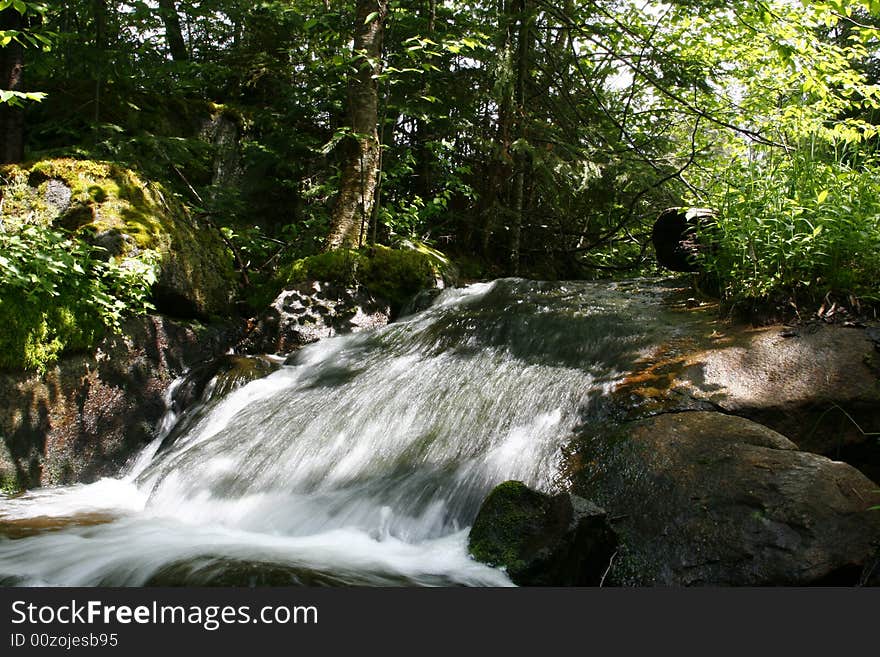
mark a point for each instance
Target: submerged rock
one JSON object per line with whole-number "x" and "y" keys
{"x": 312, "y": 310}
{"x": 214, "y": 379}
{"x": 542, "y": 540}
{"x": 208, "y": 383}
{"x": 706, "y": 498}
{"x": 240, "y": 573}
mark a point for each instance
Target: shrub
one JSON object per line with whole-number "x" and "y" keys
{"x": 56, "y": 296}
{"x": 798, "y": 226}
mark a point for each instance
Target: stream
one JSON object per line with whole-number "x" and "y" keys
{"x": 363, "y": 460}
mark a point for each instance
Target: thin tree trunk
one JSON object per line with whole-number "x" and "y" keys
{"x": 11, "y": 67}
{"x": 173, "y": 31}
{"x": 354, "y": 204}
{"x": 423, "y": 133}
{"x": 100, "y": 11}
{"x": 494, "y": 197}
{"x": 521, "y": 158}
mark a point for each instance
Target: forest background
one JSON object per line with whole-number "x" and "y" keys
{"x": 515, "y": 137}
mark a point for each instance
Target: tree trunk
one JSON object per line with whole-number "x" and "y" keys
{"x": 357, "y": 188}
{"x": 173, "y": 31}
{"x": 100, "y": 11}
{"x": 424, "y": 157}
{"x": 494, "y": 197}
{"x": 521, "y": 158}
{"x": 11, "y": 117}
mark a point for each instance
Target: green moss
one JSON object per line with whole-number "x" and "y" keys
{"x": 395, "y": 275}
{"x": 35, "y": 335}
{"x": 337, "y": 266}
{"x": 398, "y": 275}
{"x": 54, "y": 313}
{"x": 194, "y": 262}
{"x": 499, "y": 530}
{"x": 9, "y": 484}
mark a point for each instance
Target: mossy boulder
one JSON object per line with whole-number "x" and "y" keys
{"x": 129, "y": 218}
{"x": 395, "y": 275}
{"x": 540, "y": 539}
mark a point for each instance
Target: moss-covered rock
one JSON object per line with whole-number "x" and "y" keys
{"x": 35, "y": 336}
{"x": 110, "y": 206}
{"x": 542, "y": 540}
{"x": 395, "y": 275}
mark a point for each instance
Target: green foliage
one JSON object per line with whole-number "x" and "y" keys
{"x": 81, "y": 246}
{"x": 610, "y": 111}
{"x": 9, "y": 483}
{"x": 797, "y": 225}
{"x": 57, "y": 297}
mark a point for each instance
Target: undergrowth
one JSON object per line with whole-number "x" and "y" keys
{"x": 797, "y": 228}
{"x": 57, "y": 296}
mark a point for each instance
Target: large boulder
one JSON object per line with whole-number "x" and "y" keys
{"x": 707, "y": 498}
{"x": 540, "y": 539}
{"x": 818, "y": 385}
{"x": 130, "y": 219}
{"x": 87, "y": 415}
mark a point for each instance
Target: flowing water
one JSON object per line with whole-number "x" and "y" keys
{"x": 363, "y": 460}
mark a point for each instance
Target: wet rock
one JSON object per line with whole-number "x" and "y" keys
{"x": 209, "y": 382}
{"x": 211, "y": 570}
{"x": 309, "y": 311}
{"x": 421, "y": 301}
{"x": 818, "y": 388}
{"x": 818, "y": 385}
{"x": 90, "y": 413}
{"x": 231, "y": 372}
{"x": 542, "y": 540}
{"x": 703, "y": 498}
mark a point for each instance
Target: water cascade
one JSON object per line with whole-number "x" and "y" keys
{"x": 363, "y": 460}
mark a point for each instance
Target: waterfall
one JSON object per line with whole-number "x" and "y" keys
{"x": 363, "y": 460}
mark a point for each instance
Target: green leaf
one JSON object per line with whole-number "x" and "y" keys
{"x": 371, "y": 17}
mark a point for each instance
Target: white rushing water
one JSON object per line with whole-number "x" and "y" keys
{"x": 362, "y": 461}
